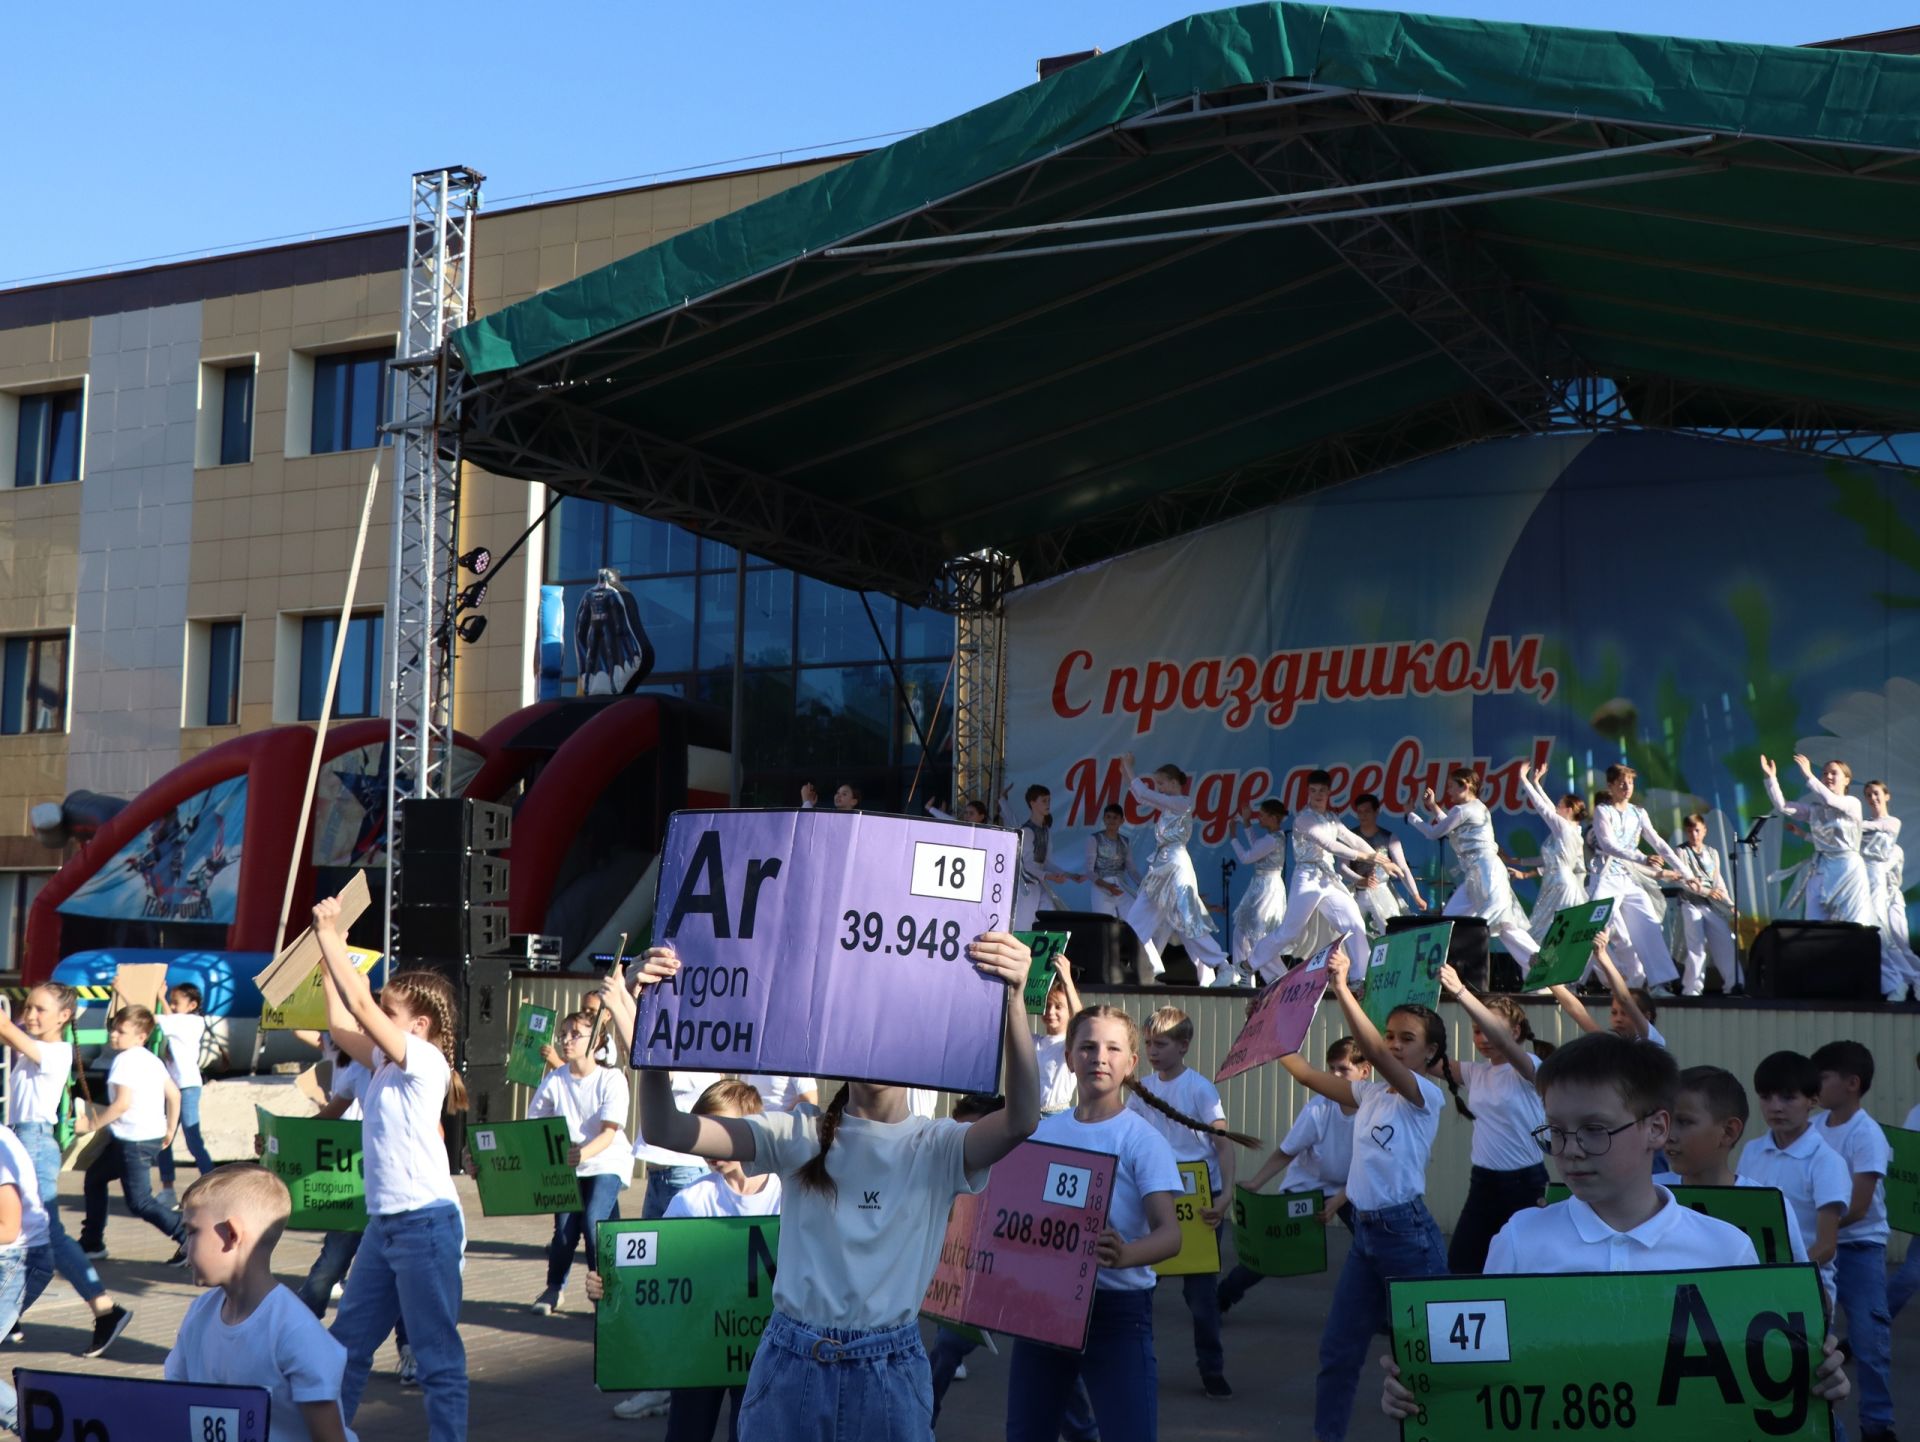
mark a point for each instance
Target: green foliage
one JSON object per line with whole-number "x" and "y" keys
{"x": 1860, "y": 496}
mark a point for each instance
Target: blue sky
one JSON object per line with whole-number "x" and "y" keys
{"x": 154, "y": 134}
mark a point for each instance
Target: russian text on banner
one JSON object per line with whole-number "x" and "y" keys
{"x": 1903, "y": 1181}
{"x": 1567, "y": 947}
{"x": 1404, "y": 970}
{"x": 1278, "y": 1022}
{"x": 685, "y": 1302}
{"x": 1199, "y": 1243}
{"x": 1019, "y": 1257}
{"x": 319, "y": 1160}
{"x": 829, "y": 943}
{"x": 87, "y": 1407}
{"x": 1655, "y": 1356}
{"x": 532, "y": 1030}
{"x": 1760, "y": 1212}
{"x": 1279, "y": 1235}
{"x": 522, "y": 1168}
{"x": 1047, "y": 947}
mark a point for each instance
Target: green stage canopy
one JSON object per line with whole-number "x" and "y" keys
{"x": 1255, "y": 253}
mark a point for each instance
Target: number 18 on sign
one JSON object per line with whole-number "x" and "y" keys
{"x": 1657, "y": 1356}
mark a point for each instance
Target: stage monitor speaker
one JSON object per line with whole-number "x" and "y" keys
{"x": 1102, "y": 948}
{"x": 1816, "y": 961}
{"x": 1466, "y": 949}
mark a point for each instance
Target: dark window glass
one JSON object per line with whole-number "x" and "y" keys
{"x": 236, "y": 415}
{"x": 223, "y": 673}
{"x": 769, "y": 630}
{"x": 843, "y": 716}
{"x": 358, "y": 693}
{"x": 33, "y": 685}
{"x": 47, "y": 448}
{"x": 929, "y": 691}
{"x": 925, "y": 633}
{"x": 348, "y": 391}
{"x": 834, "y": 625}
{"x": 641, "y": 546}
{"x": 576, "y": 540}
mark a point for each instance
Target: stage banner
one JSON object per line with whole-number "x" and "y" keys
{"x": 522, "y": 1168}
{"x": 1760, "y": 1212}
{"x": 1279, "y": 1234}
{"x": 88, "y": 1407}
{"x": 1199, "y": 1243}
{"x": 1405, "y": 971}
{"x": 1903, "y": 1181}
{"x": 320, "y": 1161}
{"x": 1567, "y": 948}
{"x": 1474, "y": 609}
{"x": 1047, "y": 947}
{"x": 1019, "y": 1257}
{"x": 1666, "y": 1356}
{"x": 685, "y": 1303}
{"x": 1278, "y": 1020}
{"x": 829, "y": 944}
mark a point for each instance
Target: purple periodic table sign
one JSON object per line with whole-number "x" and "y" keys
{"x": 829, "y": 943}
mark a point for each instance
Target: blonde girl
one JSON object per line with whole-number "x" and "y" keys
{"x": 409, "y": 1258}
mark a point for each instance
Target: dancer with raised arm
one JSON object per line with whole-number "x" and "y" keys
{"x": 1563, "y": 855}
{"x": 1886, "y": 883}
{"x": 1619, "y": 827}
{"x": 1484, "y": 890}
{"x": 1115, "y": 879}
{"x": 1263, "y": 906}
{"x": 1169, "y": 903}
{"x": 1319, "y": 906}
{"x": 1374, "y": 890}
{"x": 1837, "y": 885}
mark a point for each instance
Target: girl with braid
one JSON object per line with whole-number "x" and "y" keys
{"x": 866, "y": 1188}
{"x": 1394, "y": 1235}
{"x": 409, "y": 1259}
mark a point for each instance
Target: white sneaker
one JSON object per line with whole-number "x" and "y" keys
{"x": 1226, "y": 978}
{"x": 409, "y": 1369}
{"x": 337, "y": 1293}
{"x": 549, "y": 1301}
{"x": 960, "y": 1372}
{"x": 643, "y": 1404}
{"x": 168, "y": 1200}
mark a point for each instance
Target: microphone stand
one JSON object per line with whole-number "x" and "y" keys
{"x": 1751, "y": 844}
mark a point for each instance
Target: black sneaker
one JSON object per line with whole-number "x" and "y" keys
{"x": 1215, "y": 1385}
{"x": 105, "y": 1329}
{"x": 179, "y": 1257}
{"x": 95, "y": 1253}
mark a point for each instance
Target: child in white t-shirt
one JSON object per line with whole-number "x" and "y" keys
{"x": 867, "y": 1190}
{"x": 250, "y": 1331}
{"x": 592, "y": 1099}
{"x": 1050, "y": 1047}
{"x": 1709, "y": 1120}
{"x": 1811, "y": 1177}
{"x": 1315, "y": 1155}
{"x": 186, "y": 1032}
{"x": 1906, "y": 1281}
{"x": 26, "y": 1261}
{"x": 140, "y": 1118}
{"x": 784, "y": 1093}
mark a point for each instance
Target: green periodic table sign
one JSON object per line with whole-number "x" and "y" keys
{"x": 522, "y": 1168}
{"x": 1903, "y": 1181}
{"x": 1405, "y": 970}
{"x": 1760, "y": 1212}
{"x": 532, "y": 1030}
{"x": 1568, "y": 945}
{"x": 1279, "y": 1235}
{"x": 1653, "y": 1356}
{"x": 685, "y": 1302}
{"x": 321, "y": 1164}
{"x": 1046, "y": 947}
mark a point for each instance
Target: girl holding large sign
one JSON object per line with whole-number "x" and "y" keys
{"x": 1169, "y": 903}
{"x": 867, "y": 1188}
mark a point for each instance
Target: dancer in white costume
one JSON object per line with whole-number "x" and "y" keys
{"x": 1264, "y": 904}
{"x": 1320, "y": 909}
{"x": 1110, "y": 864}
{"x": 1169, "y": 903}
{"x": 1638, "y": 947}
{"x": 1563, "y": 855}
{"x": 1484, "y": 891}
{"x": 1705, "y": 913}
{"x": 1037, "y": 877}
{"x": 1374, "y": 886}
{"x": 1837, "y": 886}
{"x": 1886, "y": 863}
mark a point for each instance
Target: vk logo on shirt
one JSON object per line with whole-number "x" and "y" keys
{"x": 871, "y": 1202}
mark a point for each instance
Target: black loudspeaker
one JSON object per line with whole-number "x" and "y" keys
{"x": 1816, "y": 961}
{"x": 1102, "y": 948}
{"x": 1466, "y": 949}
{"x": 452, "y": 892}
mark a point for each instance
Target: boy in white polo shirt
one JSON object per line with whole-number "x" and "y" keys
{"x": 1789, "y": 1156}
{"x": 1609, "y": 1102}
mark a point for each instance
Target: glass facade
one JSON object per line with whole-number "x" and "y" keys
{"x": 236, "y": 415}
{"x": 47, "y": 448}
{"x": 821, "y": 701}
{"x": 223, "y": 673}
{"x": 33, "y": 685}
{"x": 361, "y": 664}
{"x": 348, "y": 398}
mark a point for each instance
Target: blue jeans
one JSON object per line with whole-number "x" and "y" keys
{"x": 693, "y": 1413}
{"x": 951, "y": 1347}
{"x": 1399, "y": 1241}
{"x": 336, "y": 1256}
{"x": 1202, "y": 1291}
{"x": 1906, "y": 1281}
{"x": 131, "y": 1164}
{"x": 409, "y": 1262}
{"x": 68, "y": 1259}
{"x": 20, "y": 1269}
{"x": 1243, "y": 1279}
{"x": 1118, "y": 1369}
{"x": 601, "y": 1196}
{"x": 1860, "y": 1277}
{"x": 812, "y": 1384}
{"x": 190, "y": 1129}
{"x": 663, "y": 1184}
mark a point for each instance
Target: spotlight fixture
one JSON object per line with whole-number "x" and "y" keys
{"x": 470, "y": 596}
{"x": 479, "y": 560}
{"x": 471, "y": 628}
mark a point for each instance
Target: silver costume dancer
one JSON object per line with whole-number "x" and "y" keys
{"x": 1886, "y": 864}
{"x": 1837, "y": 887}
{"x": 1376, "y": 889}
{"x": 1706, "y": 914}
{"x": 1263, "y": 906}
{"x": 1320, "y": 909}
{"x": 1169, "y": 903}
{"x": 1635, "y": 942}
{"x": 1563, "y": 855}
{"x": 1484, "y": 891}
{"x": 1113, "y": 878}
{"x": 1036, "y": 877}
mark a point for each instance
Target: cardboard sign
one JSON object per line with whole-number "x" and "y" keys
{"x": 532, "y": 1030}
{"x": 321, "y": 1164}
{"x": 1567, "y": 947}
{"x": 1760, "y": 1212}
{"x": 1279, "y": 1235}
{"x": 1047, "y": 947}
{"x": 306, "y": 1009}
{"x": 1903, "y": 1181}
{"x": 523, "y": 1168}
{"x": 1654, "y": 1355}
{"x": 282, "y": 976}
{"x": 1405, "y": 970}
{"x": 1199, "y": 1243}
{"x": 1019, "y": 1256}
{"x": 685, "y": 1302}
{"x": 57, "y": 1406}
{"x": 1278, "y": 1023}
{"x": 829, "y": 944}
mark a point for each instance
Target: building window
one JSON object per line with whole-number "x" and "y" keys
{"x": 223, "y": 673}
{"x": 17, "y": 891}
{"x": 33, "y": 685}
{"x": 47, "y": 448}
{"x": 348, "y": 389}
{"x": 358, "y": 693}
{"x": 236, "y": 415}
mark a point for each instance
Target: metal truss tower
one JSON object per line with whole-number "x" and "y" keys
{"x": 975, "y": 587}
{"x": 422, "y": 566}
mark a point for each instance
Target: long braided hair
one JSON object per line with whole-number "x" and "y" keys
{"x": 1436, "y": 1031}
{"x": 813, "y": 1174}
{"x": 429, "y": 994}
{"x": 1132, "y": 1084}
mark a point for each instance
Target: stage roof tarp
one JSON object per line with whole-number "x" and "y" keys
{"x": 1255, "y": 253}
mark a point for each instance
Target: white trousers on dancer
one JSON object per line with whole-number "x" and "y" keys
{"x": 1704, "y": 934}
{"x": 1156, "y": 930}
{"x": 1511, "y": 926}
{"x": 1316, "y": 894}
{"x": 1114, "y": 906}
{"x": 1634, "y": 940}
